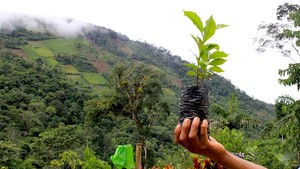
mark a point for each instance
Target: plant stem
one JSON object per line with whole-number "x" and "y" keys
{"x": 201, "y": 82}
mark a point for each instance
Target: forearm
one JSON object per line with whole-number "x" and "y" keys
{"x": 231, "y": 161}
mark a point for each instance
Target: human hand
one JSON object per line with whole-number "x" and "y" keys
{"x": 187, "y": 136}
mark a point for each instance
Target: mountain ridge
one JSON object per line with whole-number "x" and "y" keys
{"x": 101, "y": 48}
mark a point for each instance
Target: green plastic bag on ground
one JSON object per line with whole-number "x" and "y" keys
{"x": 123, "y": 157}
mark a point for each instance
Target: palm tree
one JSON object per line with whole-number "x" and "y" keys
{"x": 232, "y": 117}
{"x": 287, "y": 122}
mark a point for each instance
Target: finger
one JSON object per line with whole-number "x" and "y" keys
{"x": 193, "y": 135}
{"x": 183, "y": 138}
{"x": 203, "y": 132}
{"x": 177, "y": 133}
{"x": 185, "y": 130}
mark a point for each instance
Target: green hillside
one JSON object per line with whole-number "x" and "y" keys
{"x": 98, "y": 52}
{"x": 54, "y": 92}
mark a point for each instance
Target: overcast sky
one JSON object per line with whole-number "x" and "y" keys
{"x": 162, "y": 23}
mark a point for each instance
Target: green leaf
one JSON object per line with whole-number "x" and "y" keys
{"x": 218, "y": 61}
{"x": 209, "y": 29}
{"x": 213, "y": 46}
{"x": 195, "y": 19}
{"x": 216, "y": 69}
{"x": 197, "y": 39}
{"x": 190, "y": 65}
{"x": 220, "y": 26}
{"x": 202, "y": 63}
{"x": 191, "y": 73}
{"x": 204, "y": 53}
{"x": 218, "y": 54}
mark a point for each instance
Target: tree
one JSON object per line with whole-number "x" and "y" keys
{"x": 232, "y": 117}
{"x": 285, "y": 36}
{"x": 70, "y": 159}
{"x": 53, "y": 142}
{"x": 9, "y": 154}
{"x": 92, "y": 162}
{"x": 137, "y": 97}
{"x": 287, "y": 122}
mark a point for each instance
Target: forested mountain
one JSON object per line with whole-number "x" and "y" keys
{"x": 54, "y": 87}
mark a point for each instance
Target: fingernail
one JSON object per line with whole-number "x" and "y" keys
{"x": 186, "y": 120}
{"x": 196, "y": 119}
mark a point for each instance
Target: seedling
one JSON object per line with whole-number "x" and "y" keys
{"x": 209, "y": 57}
{"x": 194, "y": 100}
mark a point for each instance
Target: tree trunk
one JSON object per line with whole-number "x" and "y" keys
{"x": 145, "y": 156}
{"x": 138, "y": 155}
{"x": 299, "y": 157}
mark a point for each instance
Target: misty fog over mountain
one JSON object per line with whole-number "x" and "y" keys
{"x": 57, "y": 25}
